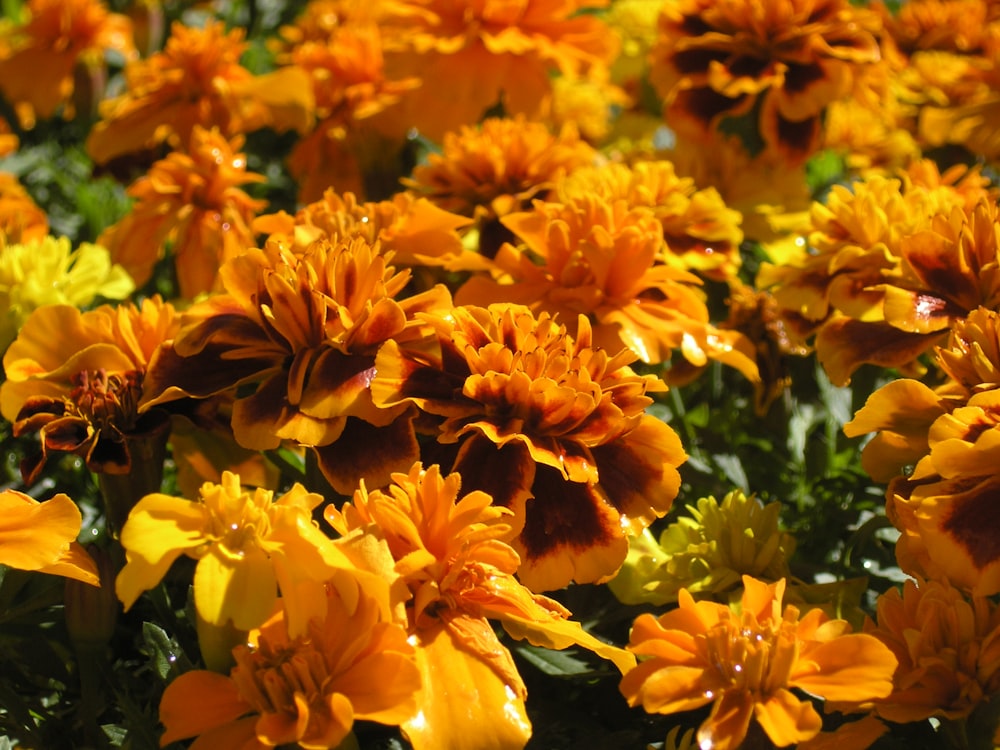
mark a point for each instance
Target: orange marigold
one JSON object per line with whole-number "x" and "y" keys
{"x": 607, "y": 260}
{"x": 746, "y": 664}
{"x": 549, "y": 425}
{"x": 197, "y": 80}
{"x": 298, "y": 335}
{"x": 304, "y": 691}
{"x": 490, "y": 52}
{"x": 780, "y": 62}
{"x": 40, "y": 57}
{"x": 191, "y": 202}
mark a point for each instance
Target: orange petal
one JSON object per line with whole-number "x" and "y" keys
{"x": 197, "y": 702}
{"x": 786, "y": 719}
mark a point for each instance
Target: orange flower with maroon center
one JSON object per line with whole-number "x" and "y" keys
{"x": 779, "y": 61}
{"x": 549, "y": 425}
{"x": 299, "y": 335}
{"x": 76, "y": 379}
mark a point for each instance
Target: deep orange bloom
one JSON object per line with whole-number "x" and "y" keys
{"x": 305, "y": 691}
{"x": 948, "y": 647}
{"x": 298, "y": 335}
{"x": 891, "y": 264}
{"x": 42, "y": 536}
{"x": 21, "y": 220}
{"x": 39, "y": 58}
{"x": 192, "y": 202}
{"x": 746, "y": 665}
{"x": 780, "y": 62}
{"x": 548, "y": 425}
{"x": 607, "y": 260}
{"x": 452, "y": 553}
{"x": 413, "y": 229}
{"x": 489, "y": 51}
{"x": 197, "y": 80}
{"x": 76, "y": 379}
{"x": 357, "y": 136}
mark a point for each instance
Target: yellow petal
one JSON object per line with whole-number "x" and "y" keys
{"x": 235, "y": 586}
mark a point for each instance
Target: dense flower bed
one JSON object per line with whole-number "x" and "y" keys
{"x": 498, "y": 374}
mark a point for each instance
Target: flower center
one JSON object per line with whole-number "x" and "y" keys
{"x": 108, "y": 401}
{"x": 748, "y": 656}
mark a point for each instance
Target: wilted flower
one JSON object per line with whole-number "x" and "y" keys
{"x": 303, "y": 690}
{"x": 40, "y": 57}
{"x": 197, "y": 80}
{"x": 48, "y": 271}
{"x": 706, "y": 553}
{"x": 452, "y": 553}
{"x": 298, "y": 334}
{"x": 42, "y": 536}
{"x": 550, "y": 426}
{"x": 747, "y": 663}
{"x": 190, "y": 201}
{"x": 780, "y": 62}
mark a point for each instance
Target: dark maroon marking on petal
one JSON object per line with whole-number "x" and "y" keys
{"x": 564, "y": 514}
{"x": 33, "y": 405}
{"x": 799, "y": 77}
{"x": 109, "y": 456}
{"x": 973, "y": 521}
{"x": 799, "y": 138}
{"x": 695, "y": 60}
{"x": 705, "y": 105}
{"x": 505, "y": 473}
{"x": 68, "y": 434}
{"x": 204, "y": 374}
{"x": 364, "y": 451}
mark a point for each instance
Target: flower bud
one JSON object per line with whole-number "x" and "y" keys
{"x": 92, "y": 611}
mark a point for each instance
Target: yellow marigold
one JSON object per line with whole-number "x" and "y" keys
{"x": 298, "y": 335}
{"x": 299, "y": 690}
{"x": 780, "y": 62}
{"x": 498, "y": 167}
{"x": 415, "y": 230}
{"x": 592, "y": 104}
{"x": 190, "y": 201}
{"x": 197, "y": 80}
{"x": 489, "y": 51}
{"x": 607, "y": 260}
{"x": 869, "y": 138}
{"x": 40, "y": 58}
{"x": 948, "y": 647}
{"x": 76, "y": 379}
{"x": 873, "y": 250}
{"x": 706, "y": 553}
{"x": 747, "y": 663}
{"x": 248, "y": 544}
{"x": 50, "y": 272}
{"x": 42, "y": 536}
{"x": 702, "y": 234}
{"x": 356, "y": 137}
{"x": 21, "y": 220}
{"x": 549, "y": 425}
{"x": 634, "y": 22}
{"x": 452, "y": 553}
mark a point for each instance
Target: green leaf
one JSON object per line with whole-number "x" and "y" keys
{"x": 168, "y": 658}
{"x": 555, "y": 663}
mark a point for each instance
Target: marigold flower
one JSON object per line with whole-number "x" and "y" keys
{"x": 451, "y": 552}
{"x": 591, "y": 104}
{"x": 39, "y": 58}
{"x": 489, "y": 51}
{"x": 42, "y": 536}
{"x": 701, "y": 233}
{"x": 948, "y": 647}
{"x": 49, "y": 272}
{"x": 496, "y": 168}
{"x": 706, "y": 553}
{"x": 746, "y": 665}
{"x": 873, "y": 282}
{"x": 76, "y": 379}
{"x": 197, "y": 80}
{"x": 247, "y": 544}
{"x": 607, "y": 260}
{"x": 354, "y": 99}
{"x": 548, "y": 425}
{"x": 192, "y": 202}
{"x": 305, "y": 690}
{"x": 298, "y": 334}
{"x": 21, "y": 220}
{"x": 782, "y": 62}
{"x": 414, "y": 230}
